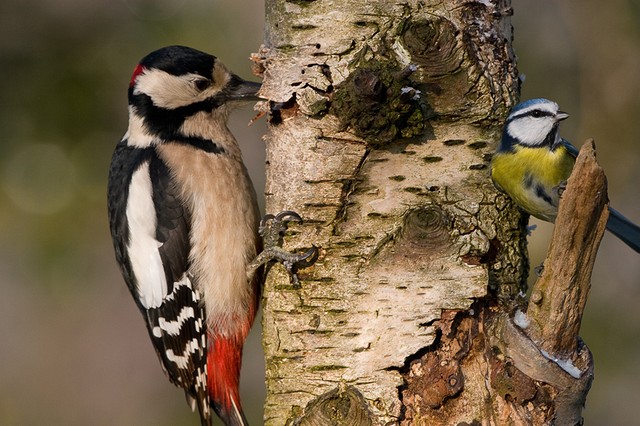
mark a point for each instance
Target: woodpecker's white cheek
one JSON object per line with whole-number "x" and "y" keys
{"x": 143, "y": 246}
{"x": 166, "y": 90}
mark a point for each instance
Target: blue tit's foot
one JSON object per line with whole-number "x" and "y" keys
{"x": 560, "y": 188}
{"x": 530, "y": 229}
{"x": 272, "y": 229}
{"x": 539, "y": 270}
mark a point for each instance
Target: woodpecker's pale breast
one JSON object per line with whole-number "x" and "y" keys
{"x": 223, "y": 234}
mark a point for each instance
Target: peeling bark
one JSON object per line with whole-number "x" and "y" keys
{"x": 383, "y": 118}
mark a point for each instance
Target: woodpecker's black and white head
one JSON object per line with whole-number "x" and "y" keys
{"x": 178, "y": 91}
{"x": 533, "y": 123}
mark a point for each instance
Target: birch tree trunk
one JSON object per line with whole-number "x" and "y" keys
{"x": 383, "y": 118}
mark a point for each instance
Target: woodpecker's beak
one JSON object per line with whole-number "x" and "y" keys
{"x": 561, "y": 115}
{"x": 242, "y": 90}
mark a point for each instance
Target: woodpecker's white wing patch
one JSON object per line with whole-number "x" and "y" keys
{"x": 143, "y": 246}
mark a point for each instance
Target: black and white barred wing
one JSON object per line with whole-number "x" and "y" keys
{"x": 178, "y": 335}
{"x": 150, "y": 228}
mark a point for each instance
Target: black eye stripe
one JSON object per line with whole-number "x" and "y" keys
{"x": 536, "y": 113}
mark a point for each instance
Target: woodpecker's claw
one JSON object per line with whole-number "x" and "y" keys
{"x": 280, "y": 221}
{"x": 308, "y": 258}
{"x": 272, "y": 229}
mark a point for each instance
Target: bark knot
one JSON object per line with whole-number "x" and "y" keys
{"x": 379, "y": 103}
{"x": 341, "y": 406}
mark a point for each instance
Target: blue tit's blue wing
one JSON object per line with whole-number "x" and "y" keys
{"x": 572, "y": 149}
{"x": 617, "y": 224}
{"x": 624, "y": 229}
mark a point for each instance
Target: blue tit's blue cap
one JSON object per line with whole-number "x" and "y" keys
{"x": 529, "y": 103}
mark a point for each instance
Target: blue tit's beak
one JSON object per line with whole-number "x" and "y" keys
{"x": 561, "y": 115}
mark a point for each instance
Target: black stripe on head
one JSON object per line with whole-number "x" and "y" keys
{"x": 535, "y": 113}
{"x": 165, "y": 123}
{"x": 180, "y": 60}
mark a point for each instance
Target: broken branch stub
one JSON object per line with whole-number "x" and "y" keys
{"x": 559, "y": 296}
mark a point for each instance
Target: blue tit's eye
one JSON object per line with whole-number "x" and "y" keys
{"x": 202, "y": 84}
{"x": 536, "y": 113}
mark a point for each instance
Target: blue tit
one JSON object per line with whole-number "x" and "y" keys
{"x": 533, "y": 163}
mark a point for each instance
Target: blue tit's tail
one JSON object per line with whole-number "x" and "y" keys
{"x": 624, "y": 229}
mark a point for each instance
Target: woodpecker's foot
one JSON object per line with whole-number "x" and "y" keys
{"x": 272, "y": 229}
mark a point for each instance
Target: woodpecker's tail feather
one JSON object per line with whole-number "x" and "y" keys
{"x": 231, "y": 416}
{"x": 624, "y": 229}
{"x": 203, "y": 411}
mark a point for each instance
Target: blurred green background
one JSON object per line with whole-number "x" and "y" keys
{"x": 73, "y": 349}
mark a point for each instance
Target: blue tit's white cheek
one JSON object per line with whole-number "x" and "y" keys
{"x": 529, "y": 130}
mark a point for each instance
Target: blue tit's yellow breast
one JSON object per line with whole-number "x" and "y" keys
{"x": 530, "y": 176}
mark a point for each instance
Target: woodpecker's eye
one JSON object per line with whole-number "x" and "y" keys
{"x": 202, "y": 84}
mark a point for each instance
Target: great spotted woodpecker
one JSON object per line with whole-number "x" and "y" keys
{"x": 184, "y": 222}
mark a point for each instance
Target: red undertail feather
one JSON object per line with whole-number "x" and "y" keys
{"x": 224, "y": 358}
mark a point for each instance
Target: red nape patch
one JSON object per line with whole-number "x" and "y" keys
{"x": 139, "y": 69}
{"x": 223, "y": 369}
